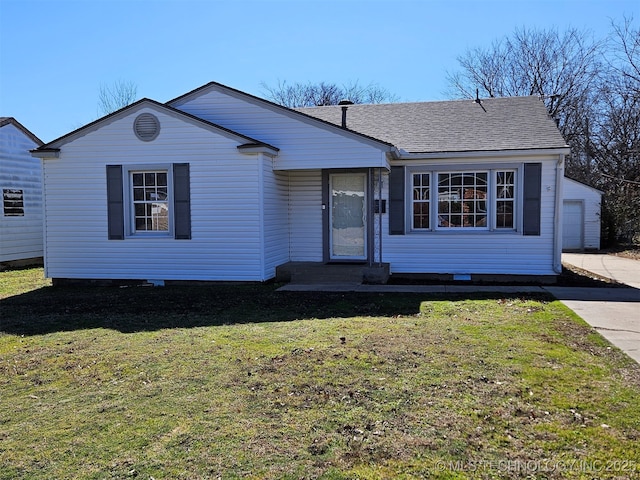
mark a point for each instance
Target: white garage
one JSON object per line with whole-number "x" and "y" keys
{"x": 580, "y": 216}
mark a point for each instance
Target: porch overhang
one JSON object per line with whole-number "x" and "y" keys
{"x": 401, "y": 154}
{"x": 283, "y": 163}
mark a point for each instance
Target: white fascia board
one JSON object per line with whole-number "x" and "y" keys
{"x": 143, "y": 104}
{"x": 254, "y": 149}
{"x": 53, "y": 153}
{"x": 403, "y": 155}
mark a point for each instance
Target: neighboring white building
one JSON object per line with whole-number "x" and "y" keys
{"x": 581, "y": 216}
{"x": 218, "y": 184}
{"x": 21, "y": 190}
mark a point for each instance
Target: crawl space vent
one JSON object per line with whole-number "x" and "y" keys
{"x": 146, "y": 127}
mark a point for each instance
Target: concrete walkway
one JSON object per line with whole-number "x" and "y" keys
{"x": 613, "y": 312}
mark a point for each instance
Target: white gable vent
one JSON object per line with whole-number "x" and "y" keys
{"x": 146, "y": 127}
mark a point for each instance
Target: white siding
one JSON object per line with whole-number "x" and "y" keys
{"x": 20, "y": 237}
{"x": 225, "y": 207}
{"x": 302, "y": 145}
{"x": 591, "y": 199}
{"x": 476, "y": 252}
{"x": 305, "y": 215}
{"x": 275, "y": 218}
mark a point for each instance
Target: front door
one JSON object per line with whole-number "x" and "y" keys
{"x": 348, "y": 216}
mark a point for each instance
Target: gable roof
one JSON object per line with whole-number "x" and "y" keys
{"x": 582, "y": 184}
{"x": 146, "y": 102}
{"x": 495, "y": 124}
{"x": 12, "y": 121}
{"x": 294, "y": 113}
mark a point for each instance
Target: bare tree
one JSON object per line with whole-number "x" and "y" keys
{"x": 324, "y": 93}
{"x": 562, "y": 69}
{"x": 617, "y": 135}
{"x": 626, "y": 52}
{"x": 116, "y": 96}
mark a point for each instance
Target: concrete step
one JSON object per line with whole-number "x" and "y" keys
{"x": 316, "y": 273}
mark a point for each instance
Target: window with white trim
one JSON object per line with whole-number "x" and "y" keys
{"x": 421, "y": 203}
{"x": 13, "y": 202}
{"x": 149, "y": 199}
{"x": 463, "y": 200}
{"x": 505, "y": 199}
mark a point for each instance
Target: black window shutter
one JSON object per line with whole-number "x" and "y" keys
{"x": 396, "y": 201}
{"x": 182, "y": 201}
{"x": 115, "y": 207}
{"x": 532, "y": 193}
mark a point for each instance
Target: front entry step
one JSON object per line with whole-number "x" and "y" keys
{"x": 315, "y": 273}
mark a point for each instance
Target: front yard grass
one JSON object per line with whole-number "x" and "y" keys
{"x": 241, "y": 381}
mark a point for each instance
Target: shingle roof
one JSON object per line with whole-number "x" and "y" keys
{"x": 507, "y": 123}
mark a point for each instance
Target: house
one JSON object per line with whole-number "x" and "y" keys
{"x": 20, "y": 186}
{"x": 581, "y": 216}
{"x": 218, "y": 184}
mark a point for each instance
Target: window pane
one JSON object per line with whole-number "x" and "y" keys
{"x": 150, "y": 194}
{"x": 138, "y": 194}
{"x": 137, "y": 179}
{"x": 505, "y": 194}
{"x": 462, "y": 195}
{"x": 159, "y": 217}
{"x": 13, "y": 202}
{"x": 149, "y": 179}
{"x": 421, "y": 201}
{"x": 504, "y": 214}
{"x": 140, "y": 224}
{"x": 139, "y": 210}
{"x": 150, "y": 206}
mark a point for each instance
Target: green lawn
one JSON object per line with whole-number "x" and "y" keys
{"x": 241, "y": 381}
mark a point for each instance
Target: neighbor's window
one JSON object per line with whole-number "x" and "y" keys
{"x": 505, "y": 198}
{"x": 462, "y": 200}
{"x": 13, "y": 202}
{"x": 150, "y": 202}
{"x": 421, "y": 202}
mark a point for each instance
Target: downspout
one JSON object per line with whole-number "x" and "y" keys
{"x": 45, "y": 243}
{"x": 261, "y": 234}
{"x": 380, "y": 217}
{"x": 371, "y": 218}
{"x": 557, "y": 234}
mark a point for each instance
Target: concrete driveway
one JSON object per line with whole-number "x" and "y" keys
{"x": 613, "y": 312}
{"x": 620, "y": 269}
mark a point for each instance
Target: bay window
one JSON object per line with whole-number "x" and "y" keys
{"x": 463, "y": 200}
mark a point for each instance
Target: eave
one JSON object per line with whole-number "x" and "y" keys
{"x": 404, "y": 155}
{"x": 45, "y": 153}
{"x": 251, "y": 148}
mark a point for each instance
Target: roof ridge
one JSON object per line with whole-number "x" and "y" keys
{"x": 122, "y": 110}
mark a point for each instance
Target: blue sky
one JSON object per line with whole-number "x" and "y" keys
{"x": 54, "y": 55}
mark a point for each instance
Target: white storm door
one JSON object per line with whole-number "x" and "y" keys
{"x": 348, "y": 218}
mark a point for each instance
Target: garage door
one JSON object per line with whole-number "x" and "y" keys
{"x": 573, "y": 225}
